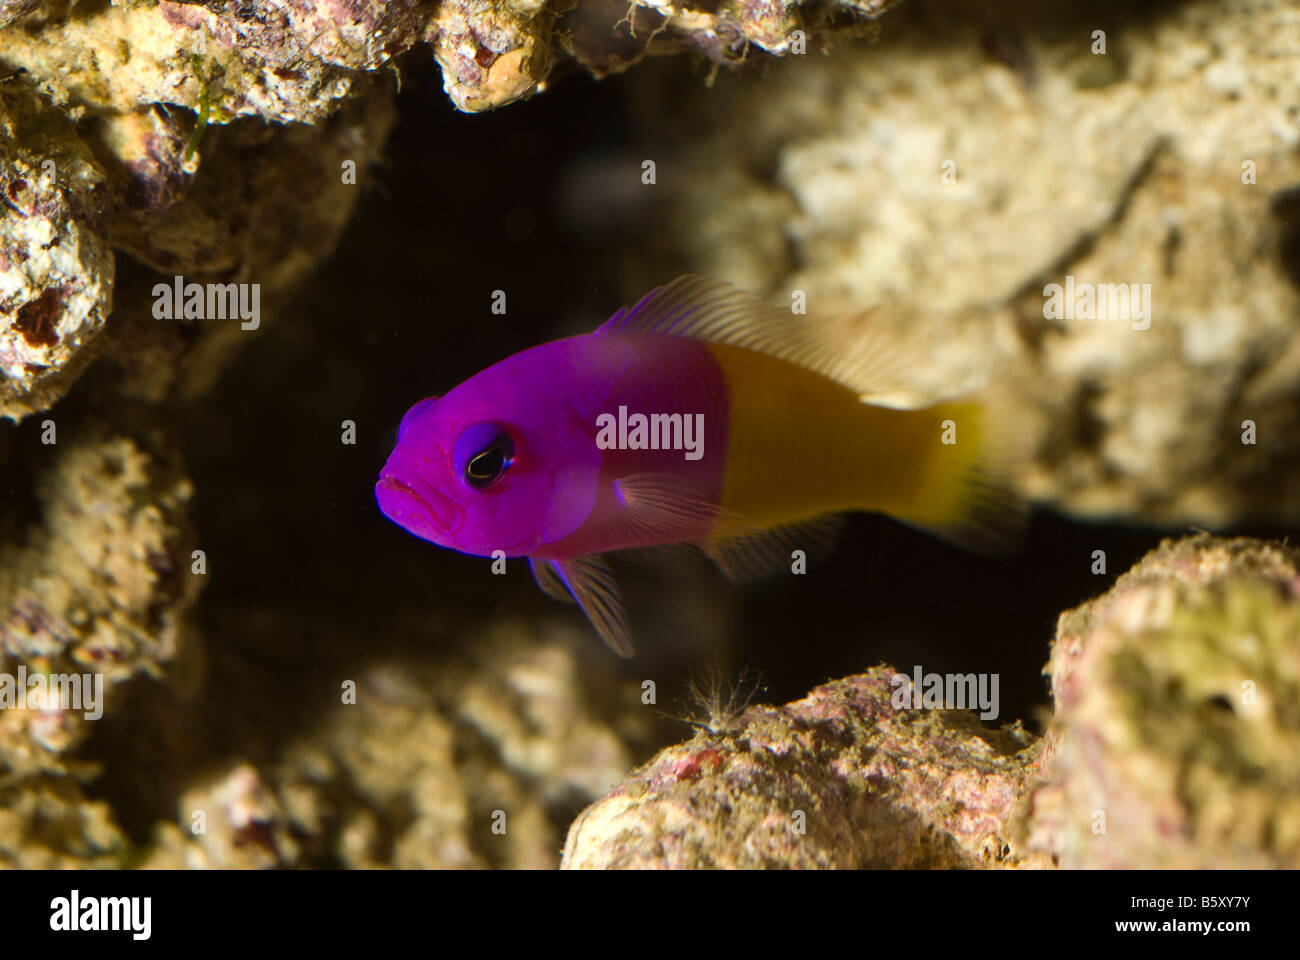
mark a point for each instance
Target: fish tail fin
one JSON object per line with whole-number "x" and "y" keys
{"x": 970, "y": 494}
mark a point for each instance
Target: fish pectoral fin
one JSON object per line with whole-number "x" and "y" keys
{"x": 550, "y": 582}
{"x": 591, "y": 582}
{"x": 661, "y": 504}
{"x": 754, "y": 556}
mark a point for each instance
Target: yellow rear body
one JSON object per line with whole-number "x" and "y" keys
{"x": 801, "y": 445}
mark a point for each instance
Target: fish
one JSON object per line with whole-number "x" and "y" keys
{"x": 705, "y": 416}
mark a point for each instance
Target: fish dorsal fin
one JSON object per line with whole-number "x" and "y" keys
{"x": 863, "y": 358}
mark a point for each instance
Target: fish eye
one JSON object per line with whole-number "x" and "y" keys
{"x": 485, "y": 467}
{"x": 484, "y": 453}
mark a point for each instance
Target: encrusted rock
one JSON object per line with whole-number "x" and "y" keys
{"x": 491, "y": 54}
{"x": 99, "y": 586}
{"x": 245, "y": 203}
{"x": 1175, "y": 744}
{"x": 1176, "y": 739}
{"x": 296, "y": 59}
{"x": 56, "y": 268}
{"x": 354, "y": 34}
{"x": 47, "y": 822}
{"x": 120, "y": 57}
{"x": 839, "y": 779}
{"x": 428, "y": 767}
{"x": 267, "y": 206}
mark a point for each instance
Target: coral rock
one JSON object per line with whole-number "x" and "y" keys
{"x": 432, "y": 767}
{"x": 101, "y": 586}
{"x": 838, "y": 779}
{"x": 1176, "y": 740}
{"x": 56, "y": 269}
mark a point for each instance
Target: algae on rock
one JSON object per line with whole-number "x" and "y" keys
{"x": 1176, "y": 739}
{"x": 1175, "y": 743}
{"x": 839, "y": 779}
{"x": 56, "y": 268}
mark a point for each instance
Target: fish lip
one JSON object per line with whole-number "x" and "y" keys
{"x": 437, "y": 511}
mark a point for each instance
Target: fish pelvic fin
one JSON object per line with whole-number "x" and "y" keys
{"x": 549, "y": 580}
{"x": 590, "y": 582}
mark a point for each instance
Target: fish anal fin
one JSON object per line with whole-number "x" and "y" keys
{"x": 747, "y": 557}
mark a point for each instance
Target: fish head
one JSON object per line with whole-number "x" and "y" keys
{"x": 475, "y": 472}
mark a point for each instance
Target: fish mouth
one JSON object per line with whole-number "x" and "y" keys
{"x": 417, "y": 506}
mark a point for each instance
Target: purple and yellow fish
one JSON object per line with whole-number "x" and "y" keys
{"x": 701, "y": 415}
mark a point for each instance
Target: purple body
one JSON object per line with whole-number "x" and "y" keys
{"x": 534, "y": 416}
